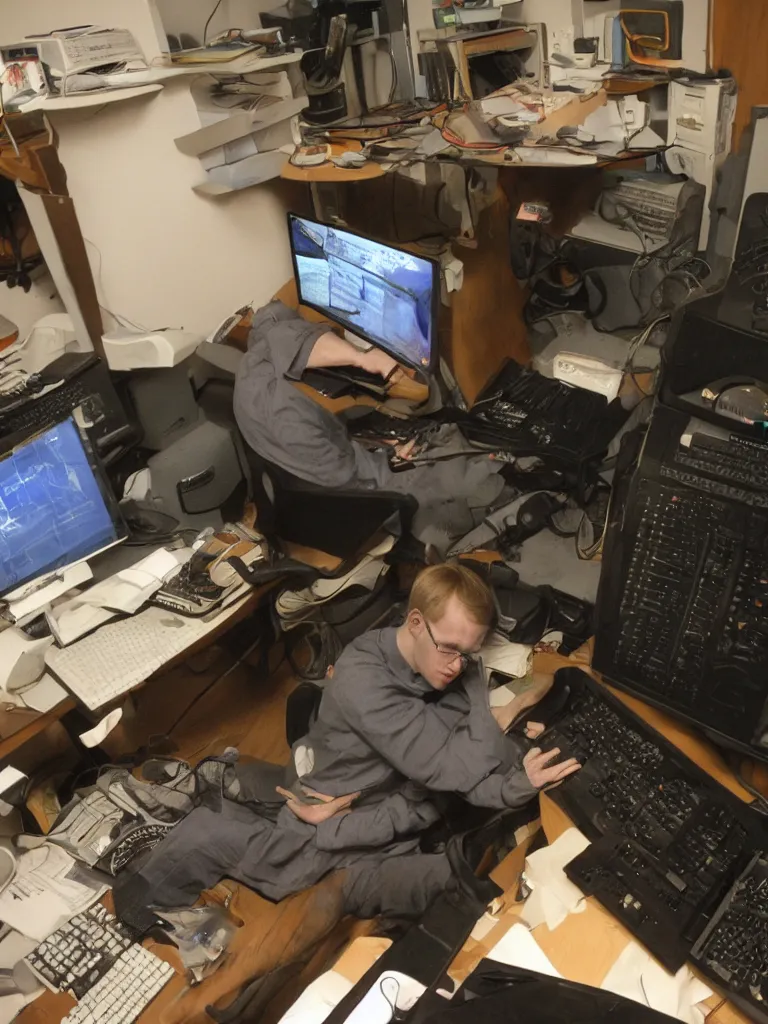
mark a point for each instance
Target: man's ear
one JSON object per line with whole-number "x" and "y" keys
{"x": 415, "y": 619}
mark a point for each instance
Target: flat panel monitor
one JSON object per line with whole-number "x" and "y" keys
{"x": 56, "y": 507}
{"x": 385, "y": 295}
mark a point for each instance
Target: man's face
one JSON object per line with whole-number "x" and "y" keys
{"x": 438, "y": 657}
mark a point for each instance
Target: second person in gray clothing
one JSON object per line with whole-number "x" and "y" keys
{"x": 406, "y": 716}
{"x": 289, "y": 430}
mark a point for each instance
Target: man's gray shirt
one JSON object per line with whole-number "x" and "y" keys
{"x": 283, "y": 425}
{"x": 384, "y": 731}
{"x": 289, "y": 430}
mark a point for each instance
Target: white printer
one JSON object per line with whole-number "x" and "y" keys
{"x": 69, "y": 60}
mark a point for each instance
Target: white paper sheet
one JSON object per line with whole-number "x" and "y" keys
{"x": 73, "y": 619}
{"x": 48, "y": 889}
{"x": 317, "y": 1000}
{"x": 390, "y": 989}
{"x": 45, "y": 694}
{"x": 130, "y": 588}
{"x": 22, "y": 659}
{"x": 483, "y": 926}
{"x": 553, "y": 895}
{"x": 518, "y": 948}
{"x": 499, "y": 655}
{"x": 637, "y": 976}
{"x": 93, "y": 737}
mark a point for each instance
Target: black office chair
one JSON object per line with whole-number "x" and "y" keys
{"x": 331, "y": 529}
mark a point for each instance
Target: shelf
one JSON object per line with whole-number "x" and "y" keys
{"x": 95, "y": 98}
{"x": 238, "y": 66}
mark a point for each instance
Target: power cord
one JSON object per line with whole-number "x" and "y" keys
{"x": 124, "y": 321}
{"x": 207, "y": 689}
{"x": 210, "y": 19}
{"x": 393, "y": 88}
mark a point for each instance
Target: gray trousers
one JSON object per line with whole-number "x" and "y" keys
{"x": 279, "y": 858}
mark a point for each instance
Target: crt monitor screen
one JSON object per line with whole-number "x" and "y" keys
{"x": 385, "y": 295}
{"x": 55, "y": 506}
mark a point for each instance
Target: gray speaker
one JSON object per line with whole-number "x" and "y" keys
{"x": 196, "y": 475}
{"x": 165, "y": 404}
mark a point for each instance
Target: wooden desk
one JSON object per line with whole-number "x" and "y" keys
{"x": 329, "y": 172}
{"x": 586, "y": 945}
{"x": 19, "y": 726}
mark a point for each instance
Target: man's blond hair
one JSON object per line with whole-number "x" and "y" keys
{"x": 436, "y": 585}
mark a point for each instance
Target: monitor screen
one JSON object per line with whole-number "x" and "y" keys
{"x": 382, "y": 294}
{"x": 55, "y": 506}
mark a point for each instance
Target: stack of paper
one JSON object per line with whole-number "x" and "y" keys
{"x": 121, "y": 594}
{"x": 49, "y": 888}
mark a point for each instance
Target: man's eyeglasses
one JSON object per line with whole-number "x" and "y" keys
{"x": 449, "y": 653}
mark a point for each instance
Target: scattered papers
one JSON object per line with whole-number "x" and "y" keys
{"x": 93, "y": 737}
{"x": 501, "y": 655}
{"x": 22, "y": 659}
{"x": 484, "y": 925}
{"x": 391, "y": 990}
{"x": 75, "y": 618}
{"x": 518, "y": 948}
{"x": 317, "y": 1000}
{"x": 45, "y": 694}
{"x": 637, "y": 976}
{"x": 49, "y": 888}
{"x": 130, "y": 588}
{"x": 35, "y": 597}
{"x": 553, "y": 895}
{"x": 502, "y": 104}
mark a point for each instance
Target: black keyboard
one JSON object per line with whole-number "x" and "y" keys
{"x": 739, "y": 460}
{"x": 524, "y": 409}
{"x": 90, "y": 389}
{"x": 667, "y": 841}
{"x": 687, "y": 625}
{"x": 715, "y": 487}
{"x": 733, "y": 950}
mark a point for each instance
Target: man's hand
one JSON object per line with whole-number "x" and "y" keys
{"x": 402, "y": 451}
{"x": 376, "y": 361}
{"x": 539, "y": 775}
{"x": 315, "y": 814}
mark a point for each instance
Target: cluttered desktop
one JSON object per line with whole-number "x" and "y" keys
{"x": 126, "y": 541}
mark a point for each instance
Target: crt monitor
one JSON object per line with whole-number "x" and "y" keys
{"x": 56, "y": 507}
{"x": 385, "y": 295}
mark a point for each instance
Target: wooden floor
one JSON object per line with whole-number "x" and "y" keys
{"x": 244, "y": 709}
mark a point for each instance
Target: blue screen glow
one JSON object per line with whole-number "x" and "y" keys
{"x": 52, "y": 511}
{"x": 382, "y": 292}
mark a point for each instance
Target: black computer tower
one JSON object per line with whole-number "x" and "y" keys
{"x": 682, "y": 608}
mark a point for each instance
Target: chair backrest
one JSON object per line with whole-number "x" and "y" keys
{"x": 301, "y": 709}
{"x": 341, "y": 523}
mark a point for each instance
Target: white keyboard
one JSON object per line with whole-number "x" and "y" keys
{"x": 119, "y": 655}
{"x": 125, "y": 991}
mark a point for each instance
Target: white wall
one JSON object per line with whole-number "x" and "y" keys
{"x": 168, "y": 257}
{"x": 24, "y": 308}
{"x": 191, "y": 15}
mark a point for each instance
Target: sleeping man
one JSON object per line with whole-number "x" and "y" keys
{"x": 289, "y": 430}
